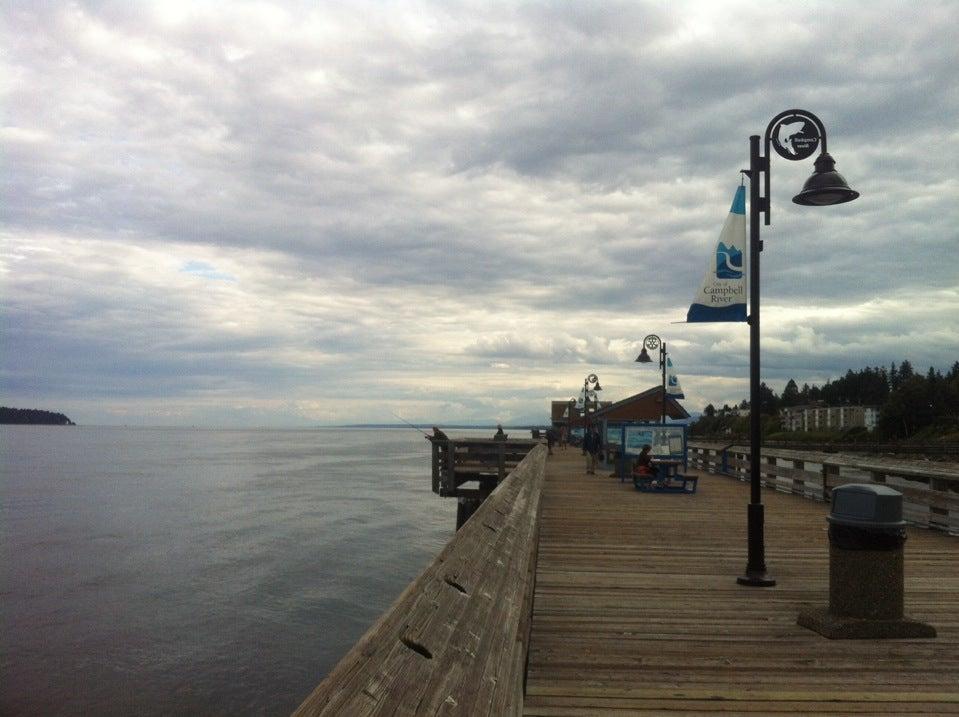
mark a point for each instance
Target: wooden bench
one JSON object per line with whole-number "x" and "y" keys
{"x": 677, "y": 483}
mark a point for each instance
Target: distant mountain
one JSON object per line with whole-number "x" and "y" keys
{"x": 33, "y": 417}
{"x": 453, "y": 426}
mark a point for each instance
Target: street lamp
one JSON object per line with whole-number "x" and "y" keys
{"x": 653, "y": 342}
{"x": 568, "y": 413}
{"x": 795, "y": 135}
{"x": 590, "y": 393}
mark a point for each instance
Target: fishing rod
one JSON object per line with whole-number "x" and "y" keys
{"x": 415, "y": 428}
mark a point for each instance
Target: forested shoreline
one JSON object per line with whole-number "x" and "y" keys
{"x": 911, "y": 405}
{"x": 33, "y": 417}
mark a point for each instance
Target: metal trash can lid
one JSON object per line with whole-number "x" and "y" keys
{"x": 864, "y": 505}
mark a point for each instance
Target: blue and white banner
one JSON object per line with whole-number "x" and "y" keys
{"x": 722, "y": 296}
{"x": 673, "y": 389}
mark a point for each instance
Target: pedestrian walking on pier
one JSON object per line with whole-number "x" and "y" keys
{"x": 592, "y": 445}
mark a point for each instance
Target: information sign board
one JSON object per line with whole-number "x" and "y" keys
{"x": 667, "y": 441}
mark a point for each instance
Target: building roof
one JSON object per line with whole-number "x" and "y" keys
{"x": 558, "y": 411}
{"x": 645, "y": 406}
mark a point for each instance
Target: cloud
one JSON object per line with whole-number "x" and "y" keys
{"x": 241, "y": 208}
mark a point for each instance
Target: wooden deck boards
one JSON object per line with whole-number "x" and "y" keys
{"x": 637, "y": 609}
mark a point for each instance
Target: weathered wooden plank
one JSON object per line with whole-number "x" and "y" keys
{"x": 752, "y": 693}
{"x": 691, "y": 708}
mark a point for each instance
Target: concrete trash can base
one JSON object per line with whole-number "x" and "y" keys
{"x": 837, "y": 627}
{"x": 866, "y": 590}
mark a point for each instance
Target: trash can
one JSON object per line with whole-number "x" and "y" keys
{"x": 866, "y": 537}
{"x": 866, "y": 587}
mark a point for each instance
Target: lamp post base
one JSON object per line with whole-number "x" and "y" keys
{"x": 756, "y": 580}
{"x": 756, "y": 563}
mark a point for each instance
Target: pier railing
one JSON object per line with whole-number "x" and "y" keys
{"x": 457, "y": 638}
{"x": 930, "y": 490}
{"x": 463, "y": 460}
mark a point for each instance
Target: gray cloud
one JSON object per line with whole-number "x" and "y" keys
{"x": 484, "y": 201}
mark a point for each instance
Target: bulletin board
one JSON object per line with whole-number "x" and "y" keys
{"x": 667, "y": 441}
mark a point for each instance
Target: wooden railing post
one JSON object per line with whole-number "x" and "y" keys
{"x": 828, "y": 470}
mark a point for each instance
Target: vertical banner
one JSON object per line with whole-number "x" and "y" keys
{"x": 673, "y": 389}
{"x": 722, "y": 297}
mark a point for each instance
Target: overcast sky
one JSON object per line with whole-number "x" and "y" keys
{"x": 287, "y": 214}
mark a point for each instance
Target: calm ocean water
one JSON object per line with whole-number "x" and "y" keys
{"x": 200, "y": 572}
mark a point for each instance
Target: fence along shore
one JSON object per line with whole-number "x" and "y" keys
{"x": 571, "y": 594}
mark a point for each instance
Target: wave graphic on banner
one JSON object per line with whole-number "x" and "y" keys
{"x": 722, "y": 296}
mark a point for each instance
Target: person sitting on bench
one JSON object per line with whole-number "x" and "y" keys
{"x": 644, "y": 468}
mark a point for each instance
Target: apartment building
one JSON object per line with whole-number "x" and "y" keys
{"x": 819, "y": 417}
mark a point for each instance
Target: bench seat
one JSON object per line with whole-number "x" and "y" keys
{"x": 674, "y": 484}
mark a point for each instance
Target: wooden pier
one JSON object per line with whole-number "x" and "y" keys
{"x": 637, "y": 610}
{"x": 569, "y": 594}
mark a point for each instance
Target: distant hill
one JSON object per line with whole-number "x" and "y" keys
{"x": 445, "y": 426}
{"x": 33, "y": 417}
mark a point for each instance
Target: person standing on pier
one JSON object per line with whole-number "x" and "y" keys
{"x": 592, "y": 445}
{"x": 499, "y": 435}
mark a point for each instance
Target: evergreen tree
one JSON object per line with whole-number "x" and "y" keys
{"x": 905, "y": 371}
{"x": 768, "y": 401}
{"x": 953, "y": 372}
{"x": 790, "y": 395}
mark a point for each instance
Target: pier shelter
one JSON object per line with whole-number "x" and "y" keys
{"x": 646, "y": 406}
{"x": 566, "y": 415}
{"x": 639, "y": 409}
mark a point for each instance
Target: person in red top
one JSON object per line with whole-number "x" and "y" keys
{"x": 644, "y": 468}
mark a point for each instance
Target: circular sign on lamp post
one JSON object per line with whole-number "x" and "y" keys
{"x": 795, "y": 137}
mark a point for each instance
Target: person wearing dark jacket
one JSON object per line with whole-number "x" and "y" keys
{"x": 550, "y": 440}
{"x": 592, "y": 445}
{"x": 644, "y": 464}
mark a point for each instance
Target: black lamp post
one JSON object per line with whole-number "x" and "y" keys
{"x": 588, "y": 392}
{"x": 569, "y": 417}
{"x": 653, "y": 342}
{"x": 795, "y": 135}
